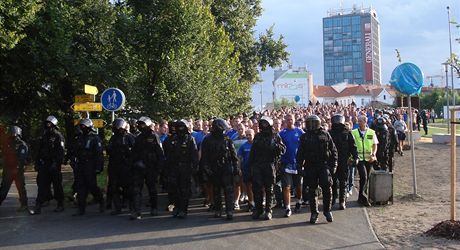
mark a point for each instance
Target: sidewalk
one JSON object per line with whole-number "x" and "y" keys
{"x": 350, "y": 229}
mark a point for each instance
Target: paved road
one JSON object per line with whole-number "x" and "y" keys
{"x": 350, "y": 230}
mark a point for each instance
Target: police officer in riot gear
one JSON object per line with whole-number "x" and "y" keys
{"x": 48, "y": 164}
{"x": 182, "y": 158}
{"x": 219, "y": 161}
{"x": 90, "y": 162}
{"x": 347, "y": 154}
{"x": 394, "y": 142}
{"x": 15, "y": 153}
{"x": 133, "y": 129}
{"x": 317, "y": 154}
{"x": 148, "y": 159}
{"x": 119, "y": 150}
{"x": 383, "y": 136}
{"x": 266, "y": 150}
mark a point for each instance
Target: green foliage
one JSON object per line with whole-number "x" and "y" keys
{"x": 284, "y": 103}
{"x": 437, "y": 99}
{"x": 175, "y": 58}
{"x": 15, "y": 16}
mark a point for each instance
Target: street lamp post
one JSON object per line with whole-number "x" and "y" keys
{"x": 451, "y": 59}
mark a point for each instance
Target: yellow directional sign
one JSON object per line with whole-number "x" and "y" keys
{"x": 98, "y": 123}
{"x": 90, "y": 106}
{"x": 84, "y": 98}
{"x": 89, "y": 89}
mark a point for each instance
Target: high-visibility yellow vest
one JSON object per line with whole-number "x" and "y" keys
{"x": 364, "y": 143}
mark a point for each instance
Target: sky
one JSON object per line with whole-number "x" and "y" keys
{"x": 419, "y": 29}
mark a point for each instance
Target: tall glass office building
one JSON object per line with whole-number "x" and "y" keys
{"x": 351, "y": 47}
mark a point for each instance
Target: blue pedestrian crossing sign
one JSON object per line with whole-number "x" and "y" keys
{"x": 113, "y": 99}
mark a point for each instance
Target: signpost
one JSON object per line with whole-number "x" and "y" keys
{"x": 89, "y": 89}
{"x": 87, "y": 107}
{"x": 98, "y": 123}
{"x": 84, "y": 98}
{"x": 113, "y": 99}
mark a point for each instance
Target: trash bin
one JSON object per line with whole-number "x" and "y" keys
{"x": 380, "y": 187}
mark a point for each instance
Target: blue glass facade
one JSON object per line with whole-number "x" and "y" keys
{"x": 344, "y": 49}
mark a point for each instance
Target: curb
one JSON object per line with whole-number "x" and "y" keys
{"x": 371, "y": 228}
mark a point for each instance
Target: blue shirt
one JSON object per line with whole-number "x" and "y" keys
{"x": 291, "y": 138}
{"x": 243, "y": 152}
{"x": 231, "y": 133}
{"x": 238, "y": 141}
{"x": 163, "y": 137}
{"x": 199, "y": 136}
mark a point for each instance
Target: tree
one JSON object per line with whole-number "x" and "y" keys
{"x": 15, "y": 16}
{"x": 284, "y": 103}
{"x": 239, "y": 18}
{"x": 185, "y": 61}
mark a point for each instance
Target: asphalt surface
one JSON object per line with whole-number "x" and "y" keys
{"x": 50, "y": 230}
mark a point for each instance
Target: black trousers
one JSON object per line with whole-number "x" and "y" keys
{"x": 87, "y": 183}
{"x": 180, "y": 186}
{"x": 119, "y": 187}
{"x": 17, "y": 176}
{"x": 149, "y": 177}
{"x": 340, "y": 181}
{"x": 319, "y": 175}
{"x": 223, "y": 181}
{"x": 49, "y": 174}
{"x": 364, "y": 168}
{"x": 263, "y": 179}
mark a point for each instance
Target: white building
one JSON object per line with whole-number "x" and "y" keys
{"x": 361, "y": 95}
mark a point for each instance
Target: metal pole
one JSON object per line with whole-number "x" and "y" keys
{"x": 450, "y": 58}
{"x": 412, "y": 146}
{"x": 453, "y": 167}
{"x": 113, "y": 116}
{"x": 261, "y": 85}
{"x": 447, "y": 114}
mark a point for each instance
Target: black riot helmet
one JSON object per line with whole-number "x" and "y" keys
{"x": 219, "y": 126}
{"x": 338, "y": 119}
{"x": 119, "y": 124}
{"x": 172, "y": 127}
{"x": 181, "y": 127}
{"x": 313, "y": 123}
{"x": 15, "y": 131}
{"x": 381, "y": 123}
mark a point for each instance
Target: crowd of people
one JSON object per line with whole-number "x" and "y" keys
{"x": 261, "y": 161}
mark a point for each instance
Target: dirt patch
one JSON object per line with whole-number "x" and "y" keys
{"x": 403, "y": 224}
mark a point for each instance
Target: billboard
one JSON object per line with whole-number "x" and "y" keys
{"x": 293, "y": 87}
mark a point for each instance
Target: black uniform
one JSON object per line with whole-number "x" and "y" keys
{"x": 346, "y": 149}
{"x": 219, "y": 161}
{"x": 394, "y": 143}
{"x": 48, "y": 164}
{"x": 148, "y": 159}
{"x": 14, "y": 154}
{"x": 119, "y": 150}
{"x": 383, "y": 147}
{"x": 318, "y": 155}
{"x": 89, "y": 162}
{"x": 266, "y": 150}
{"x": 182, "y": 159}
